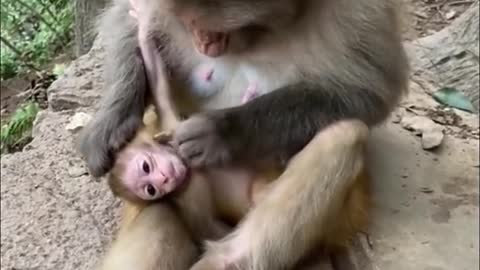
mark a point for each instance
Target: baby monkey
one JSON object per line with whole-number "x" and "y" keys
{"x": 148, "y": 168}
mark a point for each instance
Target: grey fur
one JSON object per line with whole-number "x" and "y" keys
{"x": 341, "y": 59}
{"x": 123, "y": 104}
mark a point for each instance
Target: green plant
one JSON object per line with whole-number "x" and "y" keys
{"x": 58, "y": 70}
{"x": 8, "y": 66}
{"x": 17, "y": 131}
{"x": 33, "y": 32}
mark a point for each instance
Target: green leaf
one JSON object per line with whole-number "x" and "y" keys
{"x": 453, "y": 98}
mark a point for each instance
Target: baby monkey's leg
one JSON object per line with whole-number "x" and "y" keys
{"x": 156, "y": 76}
{"x": 155, "y": 239}
{"x": 154, "y": 66}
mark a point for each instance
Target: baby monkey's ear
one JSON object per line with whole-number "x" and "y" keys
{"x": 163, "y": 137}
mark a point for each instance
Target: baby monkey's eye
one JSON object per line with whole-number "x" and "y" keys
{"x": 146, "y": 167}
{"x": 150, "y": 190}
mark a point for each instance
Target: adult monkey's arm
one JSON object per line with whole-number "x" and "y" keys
{"x": 124, "y": 100}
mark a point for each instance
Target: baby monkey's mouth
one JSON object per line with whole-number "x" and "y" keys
{"x": 209, "y": 43}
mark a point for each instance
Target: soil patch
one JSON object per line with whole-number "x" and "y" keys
{"x": 425, "y": 17}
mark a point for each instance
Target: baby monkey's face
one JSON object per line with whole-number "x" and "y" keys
{"x": 152, "y": 171}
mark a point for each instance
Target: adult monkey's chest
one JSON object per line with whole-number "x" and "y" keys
{"x": 232, "y": 76}
{"x": 230, "y": 92}
{"x": 190, "y": 99}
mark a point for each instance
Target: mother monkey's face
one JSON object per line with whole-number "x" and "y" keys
{"x": 218, "y": 27}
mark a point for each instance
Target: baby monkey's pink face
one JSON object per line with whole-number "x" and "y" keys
{"x": 152, "y": 171}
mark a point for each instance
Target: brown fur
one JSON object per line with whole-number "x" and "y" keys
{"x": 335, "y": 60}
{"x": 354, "y": 216}
{"x": 194, "y": 202}
{"x": 351, "y": 218}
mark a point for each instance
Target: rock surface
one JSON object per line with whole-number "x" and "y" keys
{"x": 431, "y": 133}
{"x": 78, "y": 121}
{"x": 52, "y": 216}
{"x": 450, "y": 57}
{"x": 79, "y": 85}
{"x": 55, "y": 216}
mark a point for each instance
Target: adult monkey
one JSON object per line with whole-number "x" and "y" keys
{"x": 315, "y": 62}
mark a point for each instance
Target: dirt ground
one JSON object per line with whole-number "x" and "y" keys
{"x": 420, "y": 18}
{"x": 10, "y": 91}
{"x": 425, "y": 17}
{"x": 32, "y": 86}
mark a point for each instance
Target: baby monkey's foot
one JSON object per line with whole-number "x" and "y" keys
{"x": 163, "y": 137}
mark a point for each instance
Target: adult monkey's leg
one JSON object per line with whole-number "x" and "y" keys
{"x": 301, "y": 208}
{"x": 151, "y": 237}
